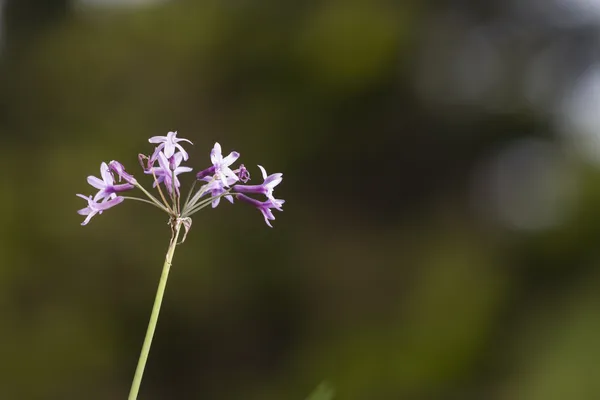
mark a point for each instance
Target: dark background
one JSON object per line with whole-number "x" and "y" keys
{"x": 442, "y": 218}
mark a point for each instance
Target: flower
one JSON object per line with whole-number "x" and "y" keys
{"x": 264, "y": 206}
{"x": 169, "y": 143}
{"x": 106, "y": 187}
{"x": 94, "y": 207}
{"x": 119, "y": 169}
{"x": 220, "y": 168}
{"x": 216, "y": 188}
{"x": 243, "y": 173}
{"x": 265, "y": 188}
{"x": 167, "y": 169}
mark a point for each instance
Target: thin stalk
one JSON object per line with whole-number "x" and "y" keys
{"x": 162, "y": 196}
{"x": 139, "y": 371}
{"x": 174, "y": 195}
{"x": 204, "y": 203}
{"x": 154, "y": 199}
{"x": 145, "y": 201}
{"x": 192, "y": 203}
{"x": 187, "y": 199}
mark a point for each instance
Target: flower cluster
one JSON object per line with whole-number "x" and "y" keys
{"x": 164, "y": 165}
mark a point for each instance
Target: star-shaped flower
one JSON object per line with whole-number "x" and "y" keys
{"x": 94, "y": 207}
{"x": 220, "y": 168}
{"x": 106, "y": 186}
{"x": 169, "y": 143}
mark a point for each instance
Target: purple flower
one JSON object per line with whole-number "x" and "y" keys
{"x": 264, "y": 206}
{"x": 220, "y": 168}
{"x": 216, "y": 188}
{"x": 119, "y": 169}
{"x": 106, "y": 186}
{"x": 265, "y": 188}
{"x": 94, "y": 207}
{"x": 169, "y": 143}
{"x": 243, "y": 173}
{"x": 167, "y": 169}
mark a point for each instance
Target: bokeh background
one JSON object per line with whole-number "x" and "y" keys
{"x": 441, "y": 231}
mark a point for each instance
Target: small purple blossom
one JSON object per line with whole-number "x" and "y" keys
{"x": 169, "y": 143}
{"x": 264, "y": 206}
{"x": 106, "y": 186}
{"x": 265, "y": 188}
{"x": 220, "y": 168}
{"x": 167, "y": 169}
{"x": 243, "y": 173}
{"x": 94, "y": 207}
{"x": 119, "y": 169}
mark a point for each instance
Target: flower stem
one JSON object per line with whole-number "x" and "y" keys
{"x": 154, "y": 199}
{"x": 139, "y": 371}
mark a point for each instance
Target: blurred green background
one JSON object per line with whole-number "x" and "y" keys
{"x": 442, "y": 186}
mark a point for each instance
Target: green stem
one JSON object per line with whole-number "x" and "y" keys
{"x": 199, "y": 206}
{"x": 144, "y": 201}
{"x": 139, "y": 371}
{"x": 154, "y": 199}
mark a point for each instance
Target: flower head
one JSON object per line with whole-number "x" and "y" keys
{"x": 94, "y": 207}
{"x": 106, "y": 186}
{"x": 221, "y": 179}
{"x": 169, "y": 143}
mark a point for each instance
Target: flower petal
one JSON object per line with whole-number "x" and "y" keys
{"x": 268, "y": 216}
{"x": 110, "y": 203}
{"x": 181, "y": 170}
{"x": 95, "y": 182}
{"x": 228, "y": 176}
{"x": 273, "y": 179}
{"x": 215, "y": 154}
{"x": 84, "y": 211}
{"x": 157, "y": 139}
{"x": 183, "y": 153}
{"x": 169, "y": 149}
{"x": 163, "y": 161}
{"x": 106, "y": 175}
{"x": 264, "y": 172}
{"x": 100, "y": 195}
{"x": 88, "y": 218}
{"x": 230, "y": 159}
